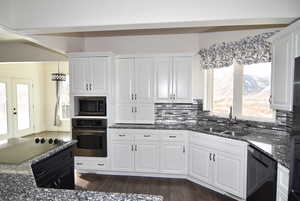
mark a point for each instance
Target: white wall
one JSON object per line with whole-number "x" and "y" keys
{"x": 50, "y": 97}
{"x": 76, "y": 13}
{"x": 143, "y": 44}
{"x": 6, "y": 13}
{"x": 25, "y": 52}
{"x": 33, "y": 72}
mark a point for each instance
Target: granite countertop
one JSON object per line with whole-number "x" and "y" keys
{"x": 273, "y": 143}
{"x": 17, "y": 183}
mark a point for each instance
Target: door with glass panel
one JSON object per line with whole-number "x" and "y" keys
{"x": 22, "y": 107}
{"x": 4, "y": 101}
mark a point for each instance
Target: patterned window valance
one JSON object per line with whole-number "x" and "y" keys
{"x": 250, "y": 50}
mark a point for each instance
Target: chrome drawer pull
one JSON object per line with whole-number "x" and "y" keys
{"x": 172, "y": 136}
{"x": 121, "y": 135}
{"x": 100, "y": 164}
{"x": 147, "y": 135}
{"x": 79, "y": 163}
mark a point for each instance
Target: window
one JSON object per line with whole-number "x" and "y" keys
{"x": 244, "y": 87}
{"x": 65, "y": 100}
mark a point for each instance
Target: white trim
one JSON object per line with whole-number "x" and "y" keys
{"x": 292, "y": 27}
{"x": 89, "y": 54}
{"x": 183, "y": 54}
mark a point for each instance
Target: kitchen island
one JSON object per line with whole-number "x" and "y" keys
{"x": 17, "y": 183}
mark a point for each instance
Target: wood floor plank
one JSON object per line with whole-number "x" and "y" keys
{"x": 170, "y": 189}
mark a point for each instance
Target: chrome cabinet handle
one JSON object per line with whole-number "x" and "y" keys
{"x": 270, "y": 99}
{"x": 132, "y": 109}
{"x": 214, "y": 157}
{"x": 135, "y": 110}
{"x": 135, "y": 147}
{"x": 90, "y": 87}
{"x": 210, "y": 156}
{"x": 131, "y": 96}
{"x": 100, "y": 164}
{"x": 183, "y": 150}
{"x": 147, "y": 135}
{"x": 135, "y": 96}
{"x": 132, "y": 147}
{"x": 79, "y": 163}
{"x": 87, "y": 86}
{"x": 172, "y": 136}
{"x": 174, "y": 97}
{"x": 121, "y": 135}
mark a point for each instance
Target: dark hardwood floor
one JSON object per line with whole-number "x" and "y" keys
{"x": 170, "y": 189}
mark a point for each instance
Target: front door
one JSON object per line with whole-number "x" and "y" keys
{"x": 16, "y": 108}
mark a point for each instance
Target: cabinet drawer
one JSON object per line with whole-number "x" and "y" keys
{"x": 147, "y": 136}
{"x": 88, "y": 164}
{"x": 122, "y": 136}
{"x": 174, "y": 137}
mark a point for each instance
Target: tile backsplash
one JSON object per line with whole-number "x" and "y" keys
{"x": 192, "y": 114}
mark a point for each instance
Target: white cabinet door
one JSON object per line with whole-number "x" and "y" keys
{"x": 125, "y": 81}
{"x": 146, "y": 156}
{"x": 99, "y": 74}
{"x": 282, "y": 73}
{"x": 144, "y": 80}
{"x": 122, "y": 156}
{"x": 163, "y": 79}
{"x": 173, "y": 157}
{"x": 125, "y": 113}
{"x": 228, "y": 173}
{"x": 182, "y": 79}
{"x": 144, "y": 113}
{"x": 80, "y": 75}
{"x": 200, "y": 165}
{"x": 297, "y": 43}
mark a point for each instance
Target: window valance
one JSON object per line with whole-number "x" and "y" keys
{"x": 249, "y": 50}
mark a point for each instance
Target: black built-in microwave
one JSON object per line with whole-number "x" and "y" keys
{"x": 92, "y": 106}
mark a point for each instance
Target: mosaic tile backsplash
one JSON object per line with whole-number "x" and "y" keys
{"x": 192, "y": 113}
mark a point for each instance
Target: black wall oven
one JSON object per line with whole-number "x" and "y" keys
{"x": 91, "y": 135}
{"x": 91, "y": 106}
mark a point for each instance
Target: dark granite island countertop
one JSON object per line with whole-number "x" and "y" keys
{"x": 17, "y": 183}
{"x": 273, "y": 143}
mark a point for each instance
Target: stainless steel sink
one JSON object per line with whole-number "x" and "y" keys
{"x": 220, "y": 131}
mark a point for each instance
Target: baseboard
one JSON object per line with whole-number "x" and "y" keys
{"x": 161, "y": 175}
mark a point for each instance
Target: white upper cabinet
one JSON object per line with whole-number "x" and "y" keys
{"x": 163, "y": 77}
{"x": 286, "y": 46}
{"x": 125, "y": 81}
{"x": 144, "y": 80}
{"x": 282, "y": 73}
{"x": 79, "y": 75}
{"x": 135, "y": 90}
{"x": 89, "y": 75}
{"x": 182, "y": 79}
{"x": 173, "y": 77}
{"x": 99, "y": 74}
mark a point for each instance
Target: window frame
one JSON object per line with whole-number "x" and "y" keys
{"x": 237, "y": 103}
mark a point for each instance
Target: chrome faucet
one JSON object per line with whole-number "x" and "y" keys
{"x": 230, "y": 114}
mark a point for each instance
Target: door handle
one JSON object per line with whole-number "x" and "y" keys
{"x": 132, "y": 147}
{"x": 90, "y": 87}
{"x": 135, "y": 147}
{"x": 214, "y": 157}
{"x": 210, "y": 156}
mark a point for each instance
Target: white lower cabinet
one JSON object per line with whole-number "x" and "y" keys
{"x": 282, "y": 183}
{"x": 146, "y": 156}
{"x": 200, "y": 166}
{"x": 122, "y": 156}
{"x": 173, "y": 157}
{"x": 228, "y": 173}
{"x": 216, "y": 161}
{"x": 91, "y": 163}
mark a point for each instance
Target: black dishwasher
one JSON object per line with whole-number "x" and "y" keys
{"x": 261, "y": 176}
{"x": 56, "y": 171}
